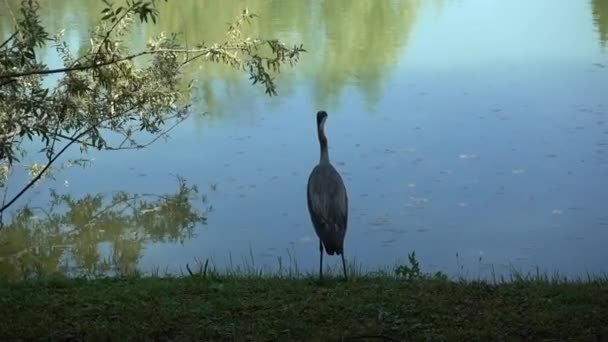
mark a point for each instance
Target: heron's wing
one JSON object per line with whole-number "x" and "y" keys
{"x": 327, "y": 197}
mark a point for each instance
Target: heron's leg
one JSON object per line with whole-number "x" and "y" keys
{"x": 320, "y": 260}
{"x": 344, "y": 267}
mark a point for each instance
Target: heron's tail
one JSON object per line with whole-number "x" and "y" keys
{"x": 333, "y": 239}
{"x": 334, "y": 247}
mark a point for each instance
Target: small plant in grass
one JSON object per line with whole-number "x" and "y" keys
{"x": 412, "y": 271}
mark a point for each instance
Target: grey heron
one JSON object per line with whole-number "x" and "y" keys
{"x": 327, "y": 201}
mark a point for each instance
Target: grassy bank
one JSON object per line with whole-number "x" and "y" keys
{"x": 273, "y": 308}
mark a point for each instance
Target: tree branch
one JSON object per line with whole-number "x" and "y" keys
{"x": 202, "y": 52}
{"x": 8, "y": 82}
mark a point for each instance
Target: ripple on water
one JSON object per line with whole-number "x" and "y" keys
{"x": 378, "y": 222}
{"x": 305, "y": 239}
{"x": 602, "y": 221}
{"x": 394, "y": 230}
{"x": 388, "y": 242}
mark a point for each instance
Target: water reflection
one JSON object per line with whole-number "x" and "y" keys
{"x": 600, "y": 19}
{"x": 96, "y": 234}
{"x": 370, "y": 35}
{"x": 350, "y": 43}
{"x": 481, "y": 147}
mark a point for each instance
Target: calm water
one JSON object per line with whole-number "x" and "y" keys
{"x": 473, "y": 132}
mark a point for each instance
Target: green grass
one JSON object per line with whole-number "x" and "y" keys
{"x": 254, "y": 307}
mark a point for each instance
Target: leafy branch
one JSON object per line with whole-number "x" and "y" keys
{"x": 102, "y": 92}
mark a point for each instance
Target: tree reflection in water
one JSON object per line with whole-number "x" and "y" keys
{"x": 96, "y": 234}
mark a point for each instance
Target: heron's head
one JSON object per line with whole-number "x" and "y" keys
{"x": 321, "y": 117}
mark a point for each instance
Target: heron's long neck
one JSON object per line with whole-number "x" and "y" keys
{"x": 323, "y": 142}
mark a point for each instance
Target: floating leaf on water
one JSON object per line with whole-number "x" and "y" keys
{"x": 468, "y": 156}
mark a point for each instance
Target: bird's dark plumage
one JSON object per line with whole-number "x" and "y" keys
{"x": 328, "y": 207}
{"x": 327, "y": 201}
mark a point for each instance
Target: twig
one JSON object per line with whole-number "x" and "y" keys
{"x": 39, "y": 175}
{"x": 8, "y": 40}
{"x": 121, "y": 145}
{"x": 189, "y": 270}
{"x": 52, "y": 149}
{"x": 105, "y": 39}
{"x": 160, "y": 135}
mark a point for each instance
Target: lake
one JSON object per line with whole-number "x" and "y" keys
{"x": 472, "y": 132}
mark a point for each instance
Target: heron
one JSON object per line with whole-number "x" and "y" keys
{"x": 327, "y": 201}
